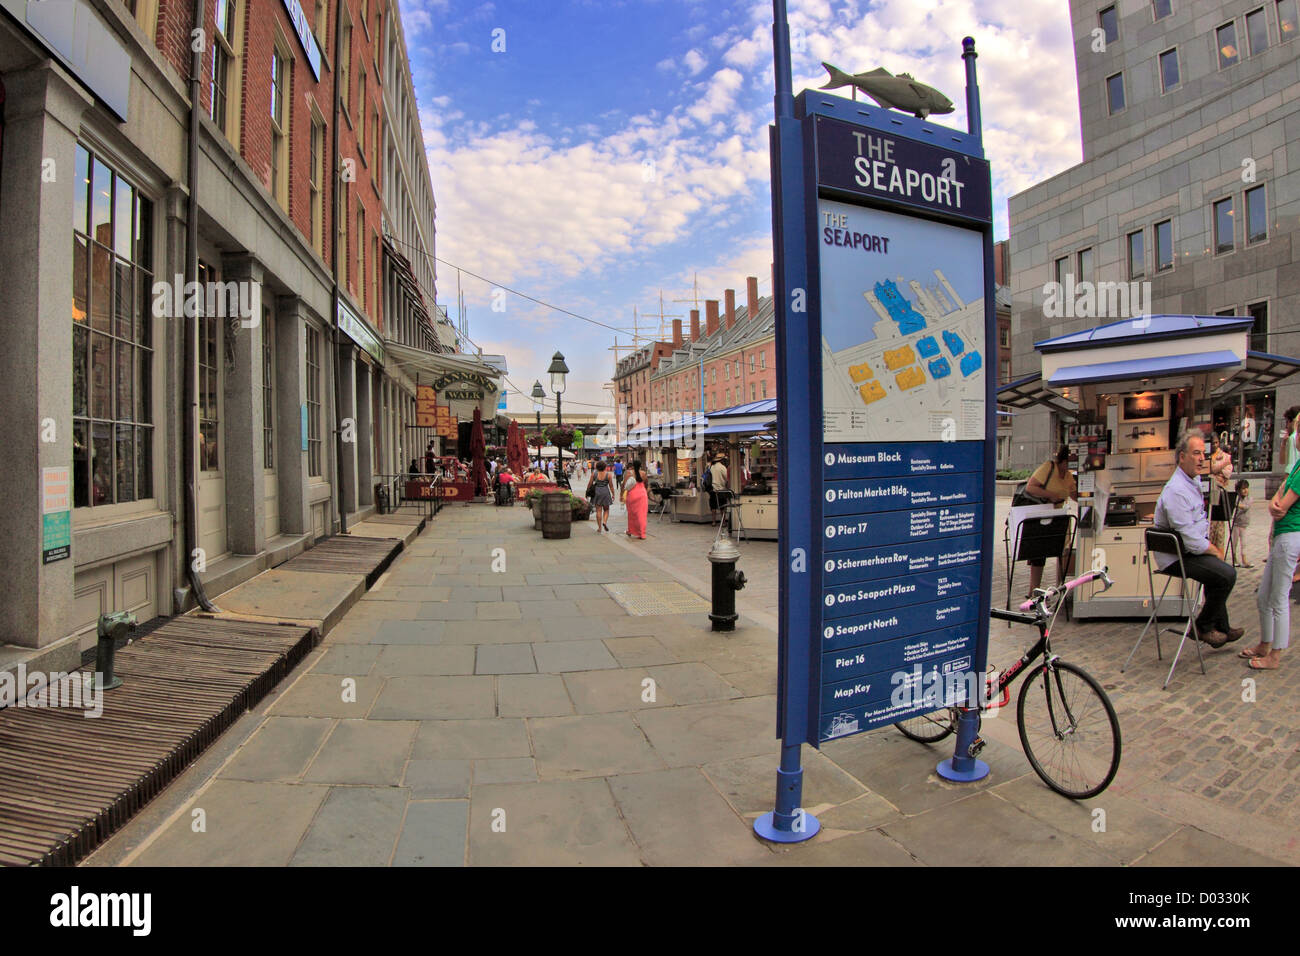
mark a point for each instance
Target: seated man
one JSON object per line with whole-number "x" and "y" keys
{"x": 1181, "y": 508}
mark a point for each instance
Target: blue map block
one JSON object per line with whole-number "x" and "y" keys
{"x": 927, "y": 346}
{"x": 899, "y": 308}
{"x": 970, "y": 363}
{"x": 955, "y": 345}
{"x": 940, "y": 368}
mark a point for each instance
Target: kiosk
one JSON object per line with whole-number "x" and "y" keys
{"x": 1126, "y": 391}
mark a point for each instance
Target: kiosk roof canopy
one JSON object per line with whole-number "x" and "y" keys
{"x": 1146, "y": 329}
{"x": 1140, "y": 368}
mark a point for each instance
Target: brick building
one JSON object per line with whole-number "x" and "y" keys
{"x": 100, "y": 189}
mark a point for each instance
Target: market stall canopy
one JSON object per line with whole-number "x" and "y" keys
{"x": 676, "y": 434}
{"x": 1133, "y": 353}
{"x": 749, "y": 418}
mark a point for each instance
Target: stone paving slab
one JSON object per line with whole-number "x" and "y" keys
{"x": 356, "y": 826}
{"x": 428, "y": 698}
{"x": 328, "y": 695}
{"x": 609, "y": 691}
{"x": 678, "y": 819}
{"x": 280, "y": 750}
{"x": 433, "y": 834}
{"x": 552, "y": 823}
{"x": 437, "y": 779}
{"x": 590, "y": 746}
{"x": 558, "y": 657}
{"x": 468, "y": 739}
{"x": 532, "y": 695}
{"x": 372, "y": 752}
{"x": 1192, "y": 847}
{"x": 246, "y": 824}
{"x": 396, "y": 660}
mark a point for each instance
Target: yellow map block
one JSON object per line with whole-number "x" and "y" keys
{"x": 897, "y": 358}
{"x": 873, "y": 391}
{"x": 910, "y": 377}
{"x": 860, "y": 373}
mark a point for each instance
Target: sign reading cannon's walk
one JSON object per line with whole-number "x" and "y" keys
{"x": 883, "y": 235}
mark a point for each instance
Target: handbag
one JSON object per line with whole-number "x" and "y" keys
{"x": 1023, "y": 498}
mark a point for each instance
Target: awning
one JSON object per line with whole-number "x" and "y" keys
{"x": 1146, "y": 329}
{"x": 1030, "y": 391}
{"x": 1139, "y": 368}
{"x": 441, "y": 364}
{"x": 735, "y": 428}
{"x": 677, "y": 434}
{"x": 1262, "y": 370}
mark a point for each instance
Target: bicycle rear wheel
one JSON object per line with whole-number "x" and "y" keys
{"x": 929, "y": 728}
{"x": 1069, "y": 730}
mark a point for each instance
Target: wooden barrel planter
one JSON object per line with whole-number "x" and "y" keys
{"x": 557, "y": 516}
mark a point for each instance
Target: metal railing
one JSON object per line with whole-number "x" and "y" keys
{"x": 396, "y": 496}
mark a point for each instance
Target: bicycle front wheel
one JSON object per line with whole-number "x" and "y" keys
{"x": 929, "y": 728}
{"x": 1069, "y": 730}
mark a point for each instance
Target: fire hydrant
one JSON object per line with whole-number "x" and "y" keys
{"x": 111, "y": 627}
{"x": 726, "y": 582}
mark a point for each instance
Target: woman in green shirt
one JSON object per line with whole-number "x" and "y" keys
{"x": 1275, "y": 584}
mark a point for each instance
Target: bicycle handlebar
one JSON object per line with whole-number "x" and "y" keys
{"x": 1045, "y": 597}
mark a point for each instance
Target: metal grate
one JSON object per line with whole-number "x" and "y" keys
{"x": 642, "y": 600}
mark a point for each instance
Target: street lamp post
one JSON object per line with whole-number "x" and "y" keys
{"x": 558, "y": 371}
{"x": 538, "y": 395}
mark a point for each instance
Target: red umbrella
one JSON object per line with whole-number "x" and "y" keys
{"x": 478, "y": 472}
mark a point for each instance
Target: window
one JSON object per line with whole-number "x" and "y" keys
{"x": 223, "y": 53}
{"x": 1258, "y": 331}
{"x": 751, "y": 364}
{"x": 361, "y": 114}
{"x": 726, "y": 371}
{"x": 1115, "y": 93}
{"x": 313, "y": 402}
{"x": 1136, "y": 255}
{"x": 764, "y": 388}
{"x": 268, "y": 387}
{"x": 714, "y": 376}
{"x": 1058, "y": 269}
{"x": 316, "y": 174}
{"x": 361, "y": 254}
{"x": 112, "y": 337}
{"x": 1287, "y": 23}
{"x": 209, "y": 381}
{"x": 1223, "y": 225}
{"x": 281, "y": 96}
{"x": 752, "y": 391}
{"x": 345, "y": 63}
{"x": 737, "y": 368}
{"x": 1161, "y": 9}
{"x": 1256, "y": 215}
{"x": 1004, "y": 337}
{"x": 318, "y": 21}
{"x": 1004, "y": 371}
{"x": 346, "y": 189}
{"x": 1164, "y": 232}
{"x": 1108, "y": 19}
{"x": 1257, "y": 31}
{"x": 762, "y": 359}
{"x": 1084, "y": 265}
{"x": 1225, "y": 38}
{"x": 1229, "y": 311}
{"x": 1169, "y": 78}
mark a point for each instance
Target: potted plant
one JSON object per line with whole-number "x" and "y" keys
{"x": 581, "y": 508}
{"x": 534, "y": 500}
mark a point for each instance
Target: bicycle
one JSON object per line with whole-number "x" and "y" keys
{"x": 1070, "y": 721}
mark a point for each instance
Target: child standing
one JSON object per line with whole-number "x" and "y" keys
{"x": 1241, "y": 522}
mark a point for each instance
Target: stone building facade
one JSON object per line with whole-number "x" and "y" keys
{"x": 1189, "y": 187}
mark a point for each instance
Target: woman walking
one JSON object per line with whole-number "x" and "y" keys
{"x": 1275, "y": 583}
{"x": 638, "y": 501}
{"x": 603, "y": 497}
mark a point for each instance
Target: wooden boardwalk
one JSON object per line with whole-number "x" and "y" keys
{"x": 67, "y": 781}
{"x": 345, "y": 554}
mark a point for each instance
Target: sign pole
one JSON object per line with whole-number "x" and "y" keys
{"x": 788, "y": 823}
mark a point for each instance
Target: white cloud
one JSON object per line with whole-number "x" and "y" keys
{"x": 694, "y": 61}
{"x": 719, "y": 95}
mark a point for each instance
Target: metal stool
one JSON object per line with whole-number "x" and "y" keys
{"x": 729, "y": 505}
{"x": 1169, "y": 542}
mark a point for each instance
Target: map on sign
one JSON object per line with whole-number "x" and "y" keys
{"x": 902, "y": 302}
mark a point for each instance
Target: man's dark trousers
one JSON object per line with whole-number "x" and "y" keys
{"x": 1218, "y": 577}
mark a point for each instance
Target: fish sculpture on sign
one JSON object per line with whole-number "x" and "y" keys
{"x": 900, "y": 92}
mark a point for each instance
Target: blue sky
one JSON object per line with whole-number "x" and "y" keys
{"x": 616, "y": 148}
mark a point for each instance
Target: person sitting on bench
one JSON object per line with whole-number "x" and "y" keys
{"x": 1181, "y": 508}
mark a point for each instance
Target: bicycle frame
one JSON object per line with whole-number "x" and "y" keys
{"x": 1043, "y": 598}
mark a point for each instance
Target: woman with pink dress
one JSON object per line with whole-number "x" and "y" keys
{"x": 637, "y": 501}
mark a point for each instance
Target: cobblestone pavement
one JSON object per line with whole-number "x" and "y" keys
{"x": 491, "y": 702}
{"x": 1231, "y": 736}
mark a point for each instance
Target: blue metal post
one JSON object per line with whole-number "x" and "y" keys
{"x": 961, "y": 766}
{"x": 788, "y": 823}
{"x": 974, "y": 124}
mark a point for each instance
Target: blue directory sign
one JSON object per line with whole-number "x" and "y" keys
{"x": 884, "y": 299}
{"x": 898, "y": 401}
